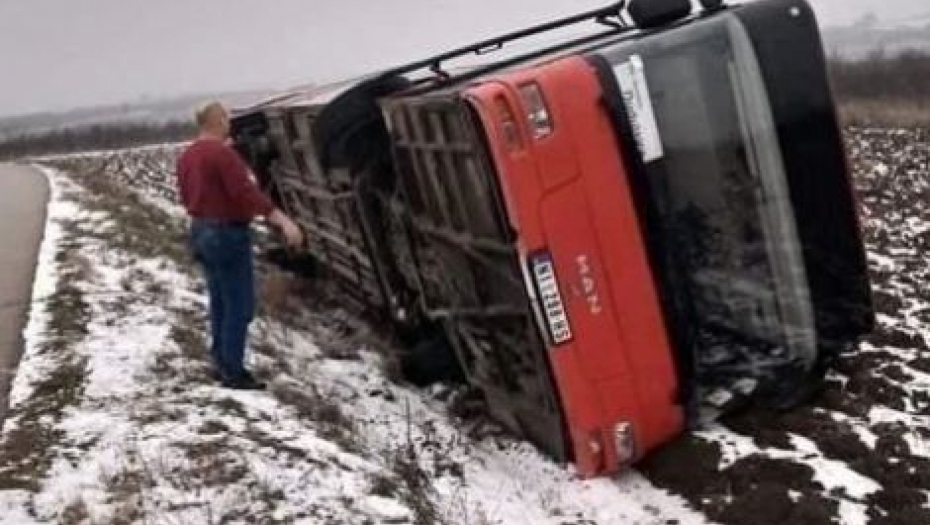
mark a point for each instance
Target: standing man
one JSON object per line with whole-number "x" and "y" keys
{"x": 221, "y": 198}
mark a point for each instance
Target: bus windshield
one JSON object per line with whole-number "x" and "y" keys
{"x": 716, "y": 184}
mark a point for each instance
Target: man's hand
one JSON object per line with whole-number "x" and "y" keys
{"x": 292, "y": 234}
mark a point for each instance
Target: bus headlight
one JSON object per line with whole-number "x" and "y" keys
{"x": 537, "y": 113}
{"x": 625, "y": 442}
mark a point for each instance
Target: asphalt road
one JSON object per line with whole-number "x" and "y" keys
{"x": 24, "y": 195}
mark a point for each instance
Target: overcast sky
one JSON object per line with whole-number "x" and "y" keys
{"x": 58, "y": 54}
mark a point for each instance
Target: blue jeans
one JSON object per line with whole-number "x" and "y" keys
{"x": 225, "y": 253}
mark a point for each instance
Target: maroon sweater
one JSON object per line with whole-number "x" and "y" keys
{"x": 214, "y": 183}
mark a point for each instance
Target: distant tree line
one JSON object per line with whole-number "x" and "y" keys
{"x": 878, "y": 88}
{"x": 882, "y": 77}
{"x": 94, "y": 137}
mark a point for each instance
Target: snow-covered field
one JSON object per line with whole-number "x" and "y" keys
{"x": 114, "y": 419}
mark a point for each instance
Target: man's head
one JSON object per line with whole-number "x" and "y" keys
{"x": 213, "y": 120}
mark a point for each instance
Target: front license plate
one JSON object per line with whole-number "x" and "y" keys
{"x": 550, "y": 299}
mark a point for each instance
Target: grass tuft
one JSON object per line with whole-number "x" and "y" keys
{"x": 27, "y": 449}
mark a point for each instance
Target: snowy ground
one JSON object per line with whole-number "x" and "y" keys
{"x": 115, "y": 421}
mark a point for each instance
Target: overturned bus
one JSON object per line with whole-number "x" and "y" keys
{"x": 615, "y": 237}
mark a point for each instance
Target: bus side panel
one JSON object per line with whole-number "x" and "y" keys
{"x": 468, "y": 269}
{"x": 328, "y": 204}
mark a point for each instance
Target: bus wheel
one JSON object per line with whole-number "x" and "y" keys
{"x": 431, "y": 360}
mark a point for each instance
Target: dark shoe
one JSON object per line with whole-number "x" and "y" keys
{"x": 245, "y": 382}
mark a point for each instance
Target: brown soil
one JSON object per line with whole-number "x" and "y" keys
{"x": 760, "y": 490}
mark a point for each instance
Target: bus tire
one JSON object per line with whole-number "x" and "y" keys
{"x": 431, "y": 360}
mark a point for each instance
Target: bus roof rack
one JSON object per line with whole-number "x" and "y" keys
{"x": 610, "y": 16}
